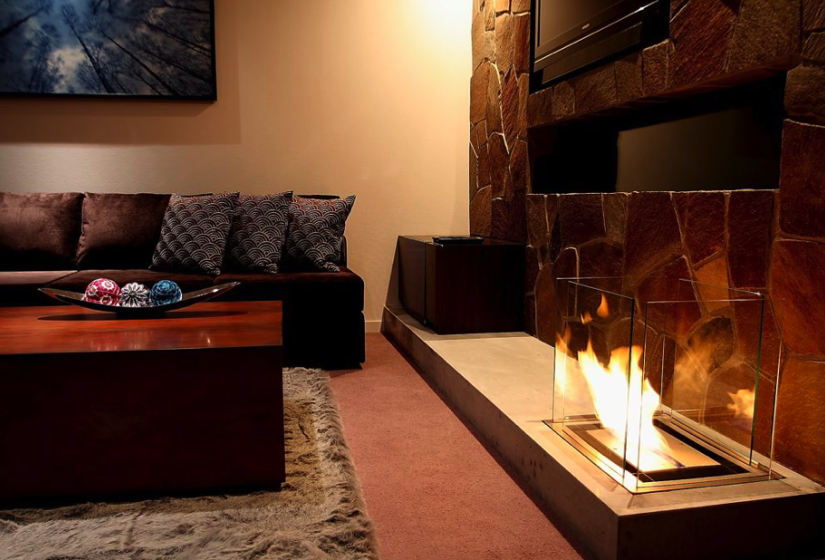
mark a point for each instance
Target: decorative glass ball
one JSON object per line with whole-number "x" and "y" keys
{"x": 103, "y": 291}
{"x": 166, "y": 292}
{"x": 135, "y": 295}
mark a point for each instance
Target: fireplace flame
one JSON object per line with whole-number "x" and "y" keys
{"x": 743, "y": 403}
{"x": 624, "y": 404}
{"x": 604, "y": 310}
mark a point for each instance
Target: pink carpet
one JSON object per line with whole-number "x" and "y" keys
{"x": 432, "y": 489}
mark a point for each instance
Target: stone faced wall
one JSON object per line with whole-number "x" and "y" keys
{"x": 770, "y": 241}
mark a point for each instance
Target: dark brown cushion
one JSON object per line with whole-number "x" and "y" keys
{"x": 194, "y": 233}
{"x": 78, "y": 281}
{"x": 258, "y": 232}
{"x": 344, "y": 288}
{"x": 39, "y": 231}
{"x": 21, "y": 288}
{"x": 120, "y": 230}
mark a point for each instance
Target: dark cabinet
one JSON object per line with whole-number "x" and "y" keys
{"x": 463, "y": 288}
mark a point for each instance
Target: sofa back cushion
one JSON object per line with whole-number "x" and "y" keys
{"x": 39, "y": 231}
{"x": 120, "y": 230}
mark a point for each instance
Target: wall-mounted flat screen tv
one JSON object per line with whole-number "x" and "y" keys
{"x": 571, "y": 36}
{"x": 116, "y": 48}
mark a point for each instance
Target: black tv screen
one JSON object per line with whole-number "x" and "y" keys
{"x": 573, "y": 35}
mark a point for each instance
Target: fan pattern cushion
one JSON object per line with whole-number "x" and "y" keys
{"x": 316, "y": 231}
{"x": 258, "y": 232}
{"x": 194, "y": 232}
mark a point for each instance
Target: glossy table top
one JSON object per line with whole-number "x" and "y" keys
{"x": 70, "y": 329}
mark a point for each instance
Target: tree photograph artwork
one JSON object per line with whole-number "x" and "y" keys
{"x": 134, "y": 48}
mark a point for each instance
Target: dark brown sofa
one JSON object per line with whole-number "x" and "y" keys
{"x": 66, "y": 240}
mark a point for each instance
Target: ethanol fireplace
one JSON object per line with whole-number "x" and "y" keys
{"x": 659, "y": 394}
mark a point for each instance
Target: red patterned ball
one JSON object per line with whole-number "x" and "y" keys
{"x": 103, "y": 291}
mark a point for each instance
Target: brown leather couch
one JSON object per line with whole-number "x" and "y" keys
{"x": 66, "y": 240}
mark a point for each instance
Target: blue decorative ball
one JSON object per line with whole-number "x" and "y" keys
{"x": 166, "y": 292}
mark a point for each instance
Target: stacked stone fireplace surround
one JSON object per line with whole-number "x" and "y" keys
{"x": 771, "y": 241}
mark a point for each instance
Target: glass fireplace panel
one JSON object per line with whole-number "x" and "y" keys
{"x": 663, "y": 393}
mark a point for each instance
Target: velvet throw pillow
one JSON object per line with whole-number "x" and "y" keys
{"x": 120, "y": 230}
{"x": 258, "y": 232}
{"x": 316, "y": 231}
{"x": 194, "y": 232}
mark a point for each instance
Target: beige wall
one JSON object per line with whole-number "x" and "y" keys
{"x": 365, "y": 97}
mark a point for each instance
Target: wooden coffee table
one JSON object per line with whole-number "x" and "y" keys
{"x": 92, "y": 406}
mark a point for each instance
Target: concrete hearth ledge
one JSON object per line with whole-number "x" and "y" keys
{"x": 501, "y": 383}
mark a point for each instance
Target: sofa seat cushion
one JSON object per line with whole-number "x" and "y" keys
{"x": 120, "y": 230}
{"x": 345, "y": 288}
{"x": 39, "y": 231}
{"x": 20, "y": 288}
{"x": 78, "y": 281}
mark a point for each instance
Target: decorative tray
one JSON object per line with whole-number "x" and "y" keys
{"x": 188, "y": 299}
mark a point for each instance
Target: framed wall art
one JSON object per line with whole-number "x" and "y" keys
{"x": 120, "y": 48}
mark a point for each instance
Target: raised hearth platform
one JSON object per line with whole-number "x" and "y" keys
{"x": 502, "y": 384}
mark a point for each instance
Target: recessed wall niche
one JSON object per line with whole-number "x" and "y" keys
{"x": 724, "y": 140}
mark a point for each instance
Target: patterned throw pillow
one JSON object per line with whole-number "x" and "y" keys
{"x": 316, "y": 231}
{"x": 258, "y": 232}
{"x": 194, "y": 232}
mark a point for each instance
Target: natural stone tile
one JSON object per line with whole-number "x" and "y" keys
{"x": 797, "y": 278}
{"x": 510, "y": 107}
{"x": 766, "y": 31}
{"x": 615, "y": 216}
{"x": 540, "y": 107}
{"x": 565, "y": 266}
{"x": 505, "y": 42}
{"x": 521, "y": 43}
{"x": 701, "y": 34}
{"x": 523, "y": 96}
{"x": 479, "y": 84}
{"x": 517, "y": 218}
{"x": 531, "y": 269}
{"x": 799, "y": 426}
{"x": 712, "y": 278}
{"x": 813, "y": 15}
{"x": 474, "y": 137}
{"x": 500, "y": 219}
{"x": 749, "y": 314}
{"x": 582, "y": 218}
{"x": 484, "y": 41}
{"x": 652, "y": 233}
{"x": 713, "y": 343}
{"x": 538, "y": 232}
{"x": 663, "y": 284}
{"x": 629, "y": 78}
{"x": 554, "y": 245}
{"x": 490, "y": 15}
{"x": 518, "y": 166}
{"x": 484, "y": 166}
{"x": 499, "y": 166}
{"x": 750, "y": 215}
{"x": 564, "y": 101}
{"x": 803, "y": 93}
{"x": 702, "y": 219}
{"x": 481, "y": 131}
{"x": 520, "y": 6}
{"x": 802, "y": 189}
{"x": 595, "y": 90}
{"x": 726, "y": 382}
{"x": 600, "y": 259}
{"x": 501, "y": 5}
{"x": 480, "y": 212}
{"x": 656, "y": 62}
{"x": 814, "y": 50}
{"x": 473, "y": 159}
{"x": 675, "y": 6}
{"x": 493, "y": 109}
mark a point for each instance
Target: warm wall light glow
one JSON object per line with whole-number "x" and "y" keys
{"x": 443, "y": 20}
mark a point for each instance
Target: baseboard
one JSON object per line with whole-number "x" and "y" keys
{"x": 373, "y": 326}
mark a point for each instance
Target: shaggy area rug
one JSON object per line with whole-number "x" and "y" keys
{"x": 318, "y": 514}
